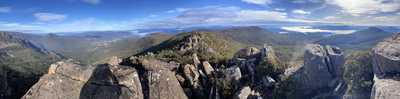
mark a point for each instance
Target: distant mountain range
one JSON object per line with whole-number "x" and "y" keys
{"x": 91, "y": 47}
{"x": 360, "y": 40}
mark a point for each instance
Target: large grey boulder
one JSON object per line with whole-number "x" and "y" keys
{"x": 386, "y": 65}
{"x": 161, "y": 82}
{"x": 322, "y": 66}
{"x": 321, "y": 73}
{"x": 70, "y": 80}
{"x": 386, "y": 57}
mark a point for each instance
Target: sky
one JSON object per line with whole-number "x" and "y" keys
{"x": 48, "y": 16}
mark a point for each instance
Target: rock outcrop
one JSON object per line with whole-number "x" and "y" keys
{"x": 247, "y": 93}
{"x": 322, "y": 65}
{"x": 70, "y": 80}
{"x": 159, "y": 81}
{"x": 386, "y": 66}
{"x": 321, "y": 74}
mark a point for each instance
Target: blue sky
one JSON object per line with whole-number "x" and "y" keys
{"x": 97, "y": 15}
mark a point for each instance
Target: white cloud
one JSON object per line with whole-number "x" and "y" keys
{"x": 263, "y": 15}
{"x": 49, "y": 17}
{"x": 358, "y": 7}
{"x": 86, "y": 24}
{"x": 177, "y": 10}
{"x": 94, "y": 2}
{"x": 330, "y": 17}
{"x": 9, "y": 26}
{"x": 309, "y": 29}
{"x": 258, "y": 2}
{"x": 279, "y": 9}
{"x": 307, "y": 1}
{"x": 5, "y": 9}
{"x": 217, "y": 15}
{"x": 298, "y": 11}
{"x": 367, "y": 20}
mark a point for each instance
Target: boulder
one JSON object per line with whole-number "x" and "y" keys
{"x": 247, "y": 93}
{"x": 114, "y": 60}
{"x": 243, "y": 93}
{"x": 196, "y": 60}
{"x": 386, "y": 89}
{"x": 233, "y": 74}
{"x": 161, "y": 82}
{"x": 322, "y": 66}
{"x": 386, "y": 67}
{"x": 191, "y": 74}
{"x": 70, "y": 80}
{"x": 208, "y": 69}
{"x": 320, "y": 75}
{"x": 386, "y": 57}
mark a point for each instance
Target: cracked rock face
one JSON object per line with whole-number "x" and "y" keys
{"x": 386, "y": 89}
{"x": 161, "y": 83}
{"x": 321, "y": 72}
{"x": 68, "y": 80}
{"x": 386, "y": 65}
{"x": 386, "y": 56}
{"x": 322, "y": 65}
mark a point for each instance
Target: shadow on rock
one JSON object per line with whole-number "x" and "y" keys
{"x": 101, "y": 85}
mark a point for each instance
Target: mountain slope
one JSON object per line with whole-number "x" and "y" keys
{"x": 208, "y": 45}
{"x": 89, "y": 48}
{"x": 22, "y": 63}
{"x": 288, "y": 47}
{"x": 360, "y": 40}
{"x": 254, "y": 35}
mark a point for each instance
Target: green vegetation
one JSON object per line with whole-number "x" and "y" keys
{"x": 207, "y": 45}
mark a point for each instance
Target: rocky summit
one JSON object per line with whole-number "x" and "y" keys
{"x": 195, "y": 65}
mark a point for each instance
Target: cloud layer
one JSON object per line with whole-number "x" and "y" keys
{"x": 357, "y": 7}
{"x": 92, "y": 1}
{"x": 258, "y": 2}
{"x": 222, "y": 15}
{"x": 49, "y": 17}
{"x": 309, "y": 29}
{"x": 5, "y": 9}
